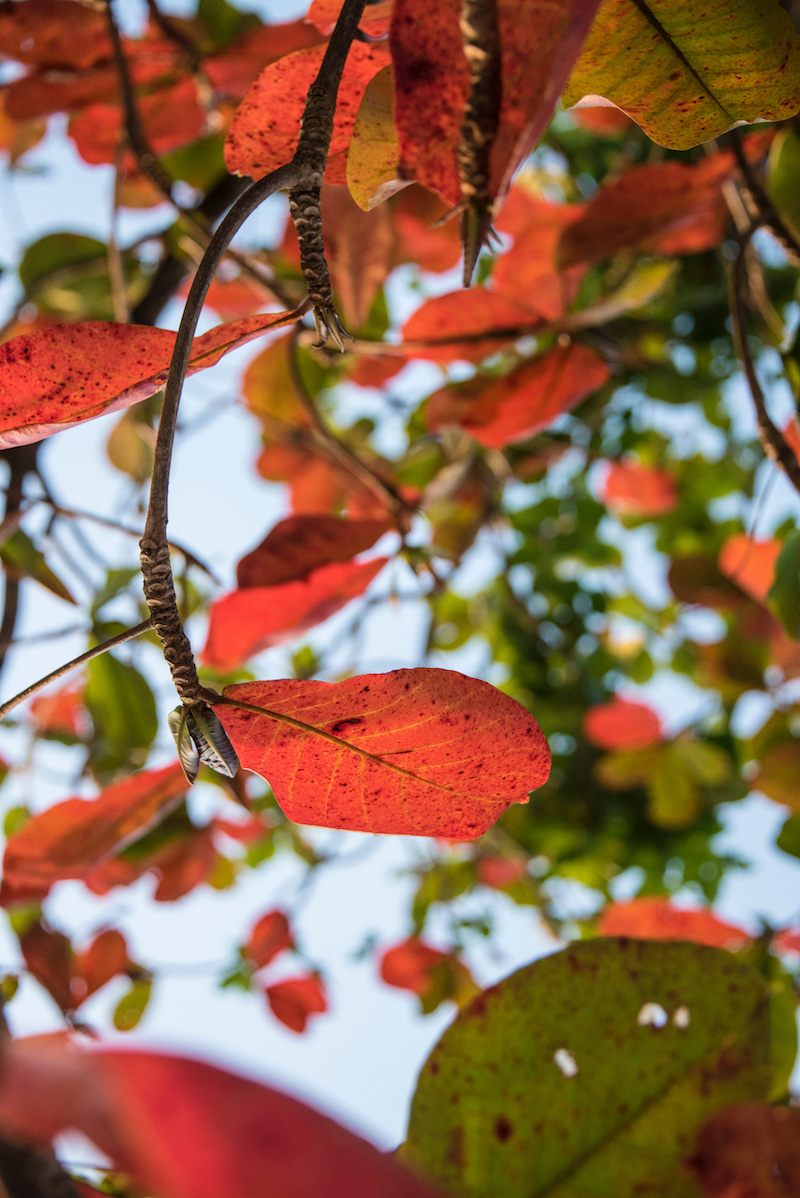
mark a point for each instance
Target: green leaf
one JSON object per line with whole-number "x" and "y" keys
{"x": 783, "y": 176}
{"x": 56, "y": 252}
{"x": 23, "y": 559}
{"x": 132, "y": 1006}
{"x": 784, "y": 594}
{"x": 123, "y": 712}
{"x": 688, "y": 73}
{"x": 789, "y": 836}
{"x": 560, "y": 1081}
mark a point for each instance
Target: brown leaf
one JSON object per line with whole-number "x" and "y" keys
{"x": 749, "y": 1151}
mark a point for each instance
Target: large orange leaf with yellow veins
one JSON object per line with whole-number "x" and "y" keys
{"x": 414, "y": 752}
{"x": 55, "y": 378}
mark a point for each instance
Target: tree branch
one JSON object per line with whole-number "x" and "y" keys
{"x": 767, "y": 213}
{"x": 771, "y": 438}
{"x": 82, "y": 658}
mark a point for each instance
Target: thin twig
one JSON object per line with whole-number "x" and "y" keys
{"x": 177, "y": 35}
{"x": 768, "y": 214}
{"x": 335, "y": 448}
{"x": 97, "y": 651}
{"x": 21, "y": 462}
{"x": 772, "y": 439}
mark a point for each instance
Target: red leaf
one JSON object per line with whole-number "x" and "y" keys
{"x": 181, "y": 866}
{"x": 750, "y": 564}
{"x": 499, "y": 872}
{"x": 48, "y": 956}
{"x": 409, "y": 965}
{"x": 71, "y": 838}
{"x": 419, "y": 239}
{"x": 233, "y": 298}
{"x": 603, "y": 121}
{"x": 53, "y": 33}
{"x": 266, "y": 126}
{"x": 294, "y": 1001}
{"x": 634, "y": 490}
{"x": 171, "y": 117}
{"x": 375, "y": 21}
{"x": 523, "y": 402}
{"x": 791, "y": 435}
{"x": 666, "y": 207}
{"x": 232, "y": 71}
{"x": 245, "y": 622}
{"x": 654, "y": 918}
{"x": 105, "y": 958}
{"x": 59, "y": 377}
{"x": 530, "y": 267}
{"x": 301, "y": 544}
{"x": 414, "y": 752}
{"x": 61, "y": 712}
{"x": 190, "y": 1130}
{"x": 269, "y": 936}
{"x": 485, "y": 318}
{"x": 358, "y": 247}
{"x": 787, "y": 941}
{"x": 749, "y": 1151}
{"x": 538, "y": 47}
{"x": 622, "y": 724}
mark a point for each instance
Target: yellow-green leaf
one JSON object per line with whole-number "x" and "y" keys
{"x": 686, "y": 73}
{"x": 373, "y": 159}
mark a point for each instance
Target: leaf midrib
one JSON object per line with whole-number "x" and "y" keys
{"x": 649, "y": 16}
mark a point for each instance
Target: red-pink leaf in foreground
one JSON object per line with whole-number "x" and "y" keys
{"x": 635, "y": 490}
{"x": 69, "y": 839}
{"x": 415, "y": 752}
{"x": 468, "y": 325}
{"x": 245, "y": 622}
{"x": 301, "y": 544}
{"x": 409, "y": 965}
{"x": 58, "y": 377}
{"x": 189, "y": 1130}
{"x": 750, "y": 563}
{"x": 622, "y": 724}
{"x": 269, "y": 936}
{"x": 653, "y": 918}
{"x": 295, "y": 1000}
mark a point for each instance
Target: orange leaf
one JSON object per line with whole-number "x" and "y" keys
{"x": 61, "y": 712}
{"x": 787, "y": 941}
{"x": 358, "y": 247}
{"x": 375, "y": 21}
{"x": 414, "y": 752}
{"x": 539, "y": 44}
{"x": 105, "y": 958}
{"x": 419, "y": 238}
{"x": 749, "y": 1151}
{"x": 778, "y": 773}
{"x": 266, "y": 126}
{"x": 499, "y": 872}
{"x": 487, "y": 321}
{"x": 245, "y": 622}
{"x": 294, "y": 1001}
{"x": 622, "y": 724}
{"x": 71, "y": 838}
{"x": 301, "y": 544}
{"x": 58, "y": 377}
{"x": 53, "y": 33}
{"x": 49, "y": 958}
{"x": 269, "y": 936}
{"x": 524, "y": 401}
{"x": 530, "y": 268}
{"x": 652, "y": 918}
{"x": 188, "y": 1129}
{"x": 666, "y": 207}
{"x": 409, "y": 965}
{"x": 635, "y": 490}
{"x": 791, "y": 435}
{"x": 750, "y": 564}
{"x": 184, "y": 864}
{"x": 604, "y": 120}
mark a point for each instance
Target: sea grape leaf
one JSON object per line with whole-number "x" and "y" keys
{"x": 58, "y": 377}
{"x": 664, "y": 207}
{"x": 687, "y": 76}
{"x": 373, "y": 158}
{"x": 622, "y": 724}
{"x": 783, "y": 597}
{"x": 265, "y": 129}
{"x": 123, "y": 710}
{"x": 187, "y": 1129}
{"x": 416, "y": 752}
{"x": 539, "y": 42}
{"x": 71, "y": 838}
{"x": 750, "y": 563}
{"x": 269, "y": 936}
{"x": 295, "y": 1000}
{"x": 632, "y": 489}
{"x": 466, "y": 326}
{"x": 248, "y": 621}
{"x": 749, "y": 1149}
{"x": 651, "y": 917}
{"x": 605, "y": 1122}
{"x": 526, "y": 400}
{"x": 301, "y": 544}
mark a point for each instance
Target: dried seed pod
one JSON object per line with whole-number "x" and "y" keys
{"x": 481, "y": 34}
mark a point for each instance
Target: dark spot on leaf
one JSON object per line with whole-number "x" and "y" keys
{"x": 503, "y": 1130}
